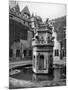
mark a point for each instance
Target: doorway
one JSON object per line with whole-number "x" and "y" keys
{"x": 41, "y": 62}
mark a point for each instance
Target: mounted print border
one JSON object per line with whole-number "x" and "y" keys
{"x": 37, "y": 44}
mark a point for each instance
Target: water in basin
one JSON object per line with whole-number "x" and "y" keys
{"x": 26, "y": 73}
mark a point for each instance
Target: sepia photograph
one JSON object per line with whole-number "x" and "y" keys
{"x": 37, "y": 44}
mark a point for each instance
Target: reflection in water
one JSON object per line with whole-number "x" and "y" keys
{"x": 41, "y": 77}
{"x": 57, "y": 74}
{"x": 27, "y": 74}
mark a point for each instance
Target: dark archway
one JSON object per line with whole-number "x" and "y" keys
{"x": 41, "y": 62}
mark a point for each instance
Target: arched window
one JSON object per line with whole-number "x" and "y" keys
{"x": 25, "y": 52}
{"x": 10, "y": 52}
{"x": 17, "y": 53}
{"x": 30, "y": 52}
{"x": 56, "y": 52}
